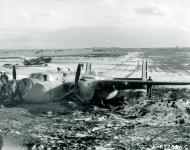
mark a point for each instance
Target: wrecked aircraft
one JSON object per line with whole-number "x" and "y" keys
{"x": 85, "y": 89}
{"x": 37, "y": 61}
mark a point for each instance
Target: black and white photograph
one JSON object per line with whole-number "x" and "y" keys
{"x": 94, "y": 75}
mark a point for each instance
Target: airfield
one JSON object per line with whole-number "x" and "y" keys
{"x": 143, "y": 123}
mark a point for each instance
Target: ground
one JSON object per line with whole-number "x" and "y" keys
{"x": 142, "y": 123}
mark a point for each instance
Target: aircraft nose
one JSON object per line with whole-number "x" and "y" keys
{"x": 86, "y": 91}
{"x": 24, "y": 87}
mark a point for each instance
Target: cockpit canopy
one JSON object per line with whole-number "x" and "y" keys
{"x": 40, "y": 76}
{"x": 50, "y": 76}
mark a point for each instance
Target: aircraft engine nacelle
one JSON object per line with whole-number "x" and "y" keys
{"x": 93, "y": 92}
{"x": 35, "y": 91}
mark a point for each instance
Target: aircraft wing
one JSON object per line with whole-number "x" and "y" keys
{"x": 153, "y": 82}
{"x": 121, "y": 84}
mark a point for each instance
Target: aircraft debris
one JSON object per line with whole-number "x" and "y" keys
{"x": 87, "y": 89}
{"x": 37, "y": 61}
{"x": 10, "y": 65}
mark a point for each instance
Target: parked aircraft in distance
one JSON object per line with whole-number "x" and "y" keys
{"x": 37, "y": 61}
{"x": 10, "y": 65}
{"x": 86, "y": 88}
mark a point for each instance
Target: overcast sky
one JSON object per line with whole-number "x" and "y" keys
{"x": 94, "y": 23}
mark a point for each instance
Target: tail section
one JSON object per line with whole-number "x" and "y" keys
{"x": 144, "y": 70}
{"x": 144, "y": 73}
{"x": 88, "y": 68}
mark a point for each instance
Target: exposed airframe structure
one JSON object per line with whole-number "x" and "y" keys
{"x": 87, "y": 88}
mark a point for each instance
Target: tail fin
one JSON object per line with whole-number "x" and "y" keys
{"x": 88, "y": 68}
{"x": 144, "y": 70}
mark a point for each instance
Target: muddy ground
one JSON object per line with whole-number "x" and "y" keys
{"x": 141, "y": 123}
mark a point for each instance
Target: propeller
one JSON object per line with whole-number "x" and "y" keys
{"x": 77, "y": 75}
{"x": 73, "y": 93}
{"x": 14, "y": 72}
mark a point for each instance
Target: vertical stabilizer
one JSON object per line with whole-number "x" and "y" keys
{"x": 144, "y": 70}
{"x": 88, "y": 68}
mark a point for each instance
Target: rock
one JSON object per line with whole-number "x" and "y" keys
{"x": 40, "y": 147}
{"x": 50, "y": 113}
{"x": 181, "y": 121}
{"x": 188, "y": 111}
{"x": 174, "y": 105}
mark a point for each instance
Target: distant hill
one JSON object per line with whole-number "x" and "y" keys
{"x": 88, "y": 52}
